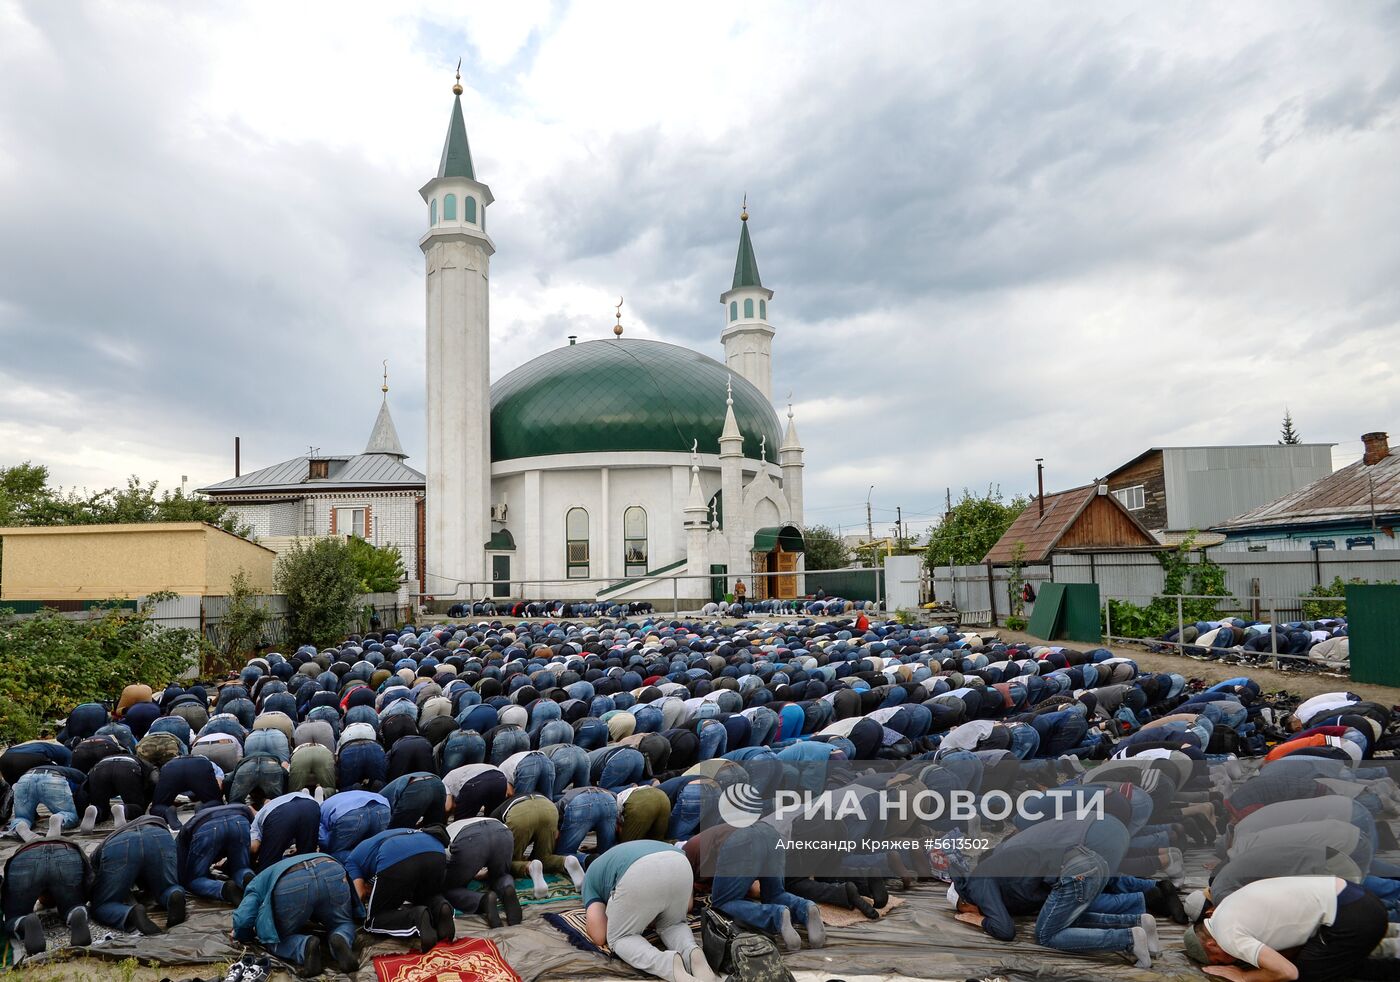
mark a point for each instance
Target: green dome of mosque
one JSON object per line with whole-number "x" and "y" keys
{"x": 623, "y": 395}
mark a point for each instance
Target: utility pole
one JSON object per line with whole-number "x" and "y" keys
{"x": 948, "y": 506}
{"x": 869, "y": 523}
{"x": 899, "y": 523}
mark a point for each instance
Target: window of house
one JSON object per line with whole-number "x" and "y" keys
{"x": 469, "y": 208}
{"x": 1133, "y": 498}
{"x": 576, "y": 536}
{"x": 634, "y": 541}
{"x": 748, "y": 307}
{"x": 763, "y": 309}
{"x": 449, "y": 208}
{"x": 432, "y": 212}
{"x": 351, "y": 521}
{"x": 319, "y": 470}
{"x": 733, "y": 310}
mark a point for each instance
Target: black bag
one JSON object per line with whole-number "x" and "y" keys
{"x": 742, "y": 955}
{"x": 1223, "y": 740}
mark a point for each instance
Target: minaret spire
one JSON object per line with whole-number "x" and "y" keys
{"x": 747, "y": 336}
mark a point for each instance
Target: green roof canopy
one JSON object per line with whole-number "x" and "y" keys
{"x": 786, "y": 537}
{"x": 746, "y": 266}
{"x": 501, "y": 541}
{"x": 623, "y": 395}
{"x": 456, "y": 153}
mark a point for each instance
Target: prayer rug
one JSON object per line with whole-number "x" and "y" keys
{"x": 467, "y": 960}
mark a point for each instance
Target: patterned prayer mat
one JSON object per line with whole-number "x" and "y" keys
{"x": 467, "y": 960}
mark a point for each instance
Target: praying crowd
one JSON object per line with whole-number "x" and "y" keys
{"x": 1323, "y": 642}
{"x": 407, "y": 779}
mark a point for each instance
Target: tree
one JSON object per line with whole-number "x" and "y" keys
{"x": 380, "y": 568}
{"x": 971, "y": 528}
{"x": 824, "y": 548}
{"x": 1289, "y": 435}
{"x": 243, "y": 620}
{"x": 322, "y": 584}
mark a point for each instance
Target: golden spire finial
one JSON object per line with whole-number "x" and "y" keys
{"x": 457, "y": 86}
{"x": 617, "y": 328}
{"x": 385, "y": 387}
{"x": 744, "y": 210}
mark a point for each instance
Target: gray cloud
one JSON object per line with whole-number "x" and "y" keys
{"x": 1002, "y": 232}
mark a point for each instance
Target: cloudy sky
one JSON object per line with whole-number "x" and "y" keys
{"x": 995, "y": 231}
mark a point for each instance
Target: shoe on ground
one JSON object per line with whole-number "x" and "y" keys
{"x": 537, "y": 876}
{"x": 343, "y": 954}
{"x": 238, "y": 971}
{"x": 79, "y": 932}
{"x": 857, "y": 902}
{"x": 791, "y": 940}
{"x": 31, "y": 932}
{"x": 231, "y": 892}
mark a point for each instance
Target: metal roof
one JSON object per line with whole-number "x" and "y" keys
{"x": 360, "y": 472}
{"x": 1229, "y": 446}
{"x": 1041, "y": 533}
{"x": 1349, "y": 494}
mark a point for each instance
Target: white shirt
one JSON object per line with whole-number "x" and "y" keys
{"x": 454, "y": 779}
{"x": 1324, "y": 703}
{"x": 968, "y": 735}
{"x": 1280, "y": 913}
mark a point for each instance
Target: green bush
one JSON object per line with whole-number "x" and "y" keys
{"x": 1179, "y": 576}
{"x": 52, "y": 663}
{"x": 322, "y": 584}
{"x": 1323, "y": 606}
{"x": 380, "y": 568}
{"x": 243, "y": 622}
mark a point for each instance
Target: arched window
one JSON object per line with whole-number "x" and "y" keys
{"x": 634, "y": 541}
{"x": 432, "y": 212}
{"x": 733, "y": 310}
{"x": 748, "y": 308}
{"x": 576, "y": 535}
{"x": 763, "y": 310}
{"x": 469, "y": 209}
{"x": 449, "y": 208}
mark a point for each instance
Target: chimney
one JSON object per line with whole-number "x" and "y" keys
{"x": 1377, "y": 447}
{"x": 237, "y": 457}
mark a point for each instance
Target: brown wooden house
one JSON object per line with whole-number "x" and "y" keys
{"x": 1081, "y": 519}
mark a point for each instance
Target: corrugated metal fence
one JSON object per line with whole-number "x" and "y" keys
{"x": 1137, "y": 577}
{"x": 205, "y": 614}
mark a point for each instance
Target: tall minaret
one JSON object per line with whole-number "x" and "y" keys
{"x": 747, "y": 336}
{"x": 458, "y": 397}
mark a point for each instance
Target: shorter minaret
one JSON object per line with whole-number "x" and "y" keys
{"x": 790, "y": 459}
{"x": 384, "y": 438}
{"x": 697, "y": 524}
{"x": 731, "y": 470}
{"x": 747, "y": 336}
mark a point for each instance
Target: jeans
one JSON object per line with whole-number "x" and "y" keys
{"x": 747, "y": 855}
{"x": 143, "y": 854}
{"x": 1081, "y": 881}
{"x": 482, "y": 846}
{"x": 46, "y": 869}
{"x": 416, "y": 798}
{"x": 50, "y": 790}
{"x": 693, "y": 804}
{"x": 1025, "y": 741}
{"x": 534, "y": 775}
{"x": 714, "y": 740}
{"x": 315, "y": 891}
{"x": 461, "y": 748}
{"x": 223, "y": 838}
{"x": 506, "y": 743}
{"x": 355, "y": 827}
{"x": 622, "y": 769}
{"x": 593, "y": 810}
{"x": 360, "y": 765}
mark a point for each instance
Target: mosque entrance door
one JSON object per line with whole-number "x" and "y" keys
{"x": 500, "y": 576}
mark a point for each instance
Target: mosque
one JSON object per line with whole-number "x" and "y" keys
{"x": 581, "y": 471}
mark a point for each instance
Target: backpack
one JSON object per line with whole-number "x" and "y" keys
{"x": 740, "y": 954}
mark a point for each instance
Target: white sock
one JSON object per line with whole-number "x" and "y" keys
{"x": 119, "y": 814}
{"x": 537, "y": 875}
{"x": 1149, "y": 924}
{"x": 575, "y": 871}
{"x": 55, "y": 826}
{"x": 1141, "y": 952}
{"x": 89, "y": 819}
